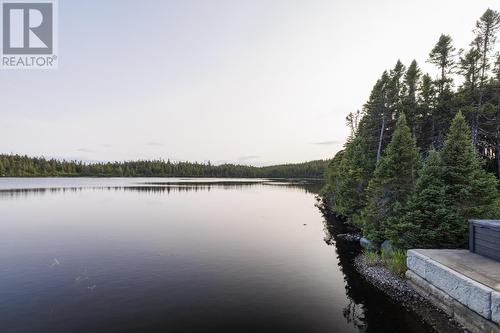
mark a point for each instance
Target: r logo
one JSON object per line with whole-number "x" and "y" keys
{"x": 27, "y": 27}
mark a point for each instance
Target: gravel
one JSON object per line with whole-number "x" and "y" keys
{"x": 401, "y": 292}
{"x": 350, "y": 237}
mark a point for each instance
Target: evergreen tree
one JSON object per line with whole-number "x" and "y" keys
{"x": 354, "y": 172}
{"x": 350, "y": 173}
{"x": 411, "y": 80}
{"x": 470, "y": 188}
{"x": 378, "y": 113}
{"x": 425, "y": 117}
{"x": 496, "y": 135}
{"x": 15, "y": 165}
{"x": 486, "y": 28}
{"x": 367, "y": 178}
{"x": 430, "y": 220}
{"x": 396, "y": 90}
{"x": 442, "y": 55}
{"x": 352, "y": 121}
{"x": 392, "y": 184}
{"x": 470, "y": 69}
{"x": 496, "y": 70}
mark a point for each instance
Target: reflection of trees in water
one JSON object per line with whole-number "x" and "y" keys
{"x": 354, "y": 314}
{"x": 368, "y": 309}
{"x": 167, "y": 188}
{"x": 309, "y": 187}
{"x": 181, "y": 188}
{"x": 24, "y": 192}
{"x": 354, "y": 311}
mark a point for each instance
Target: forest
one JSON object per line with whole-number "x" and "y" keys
{"x": 24, "y": 166}
{"x": 423, "y": 155}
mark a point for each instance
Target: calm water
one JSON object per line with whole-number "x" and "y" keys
{"x": 137, "y": 255}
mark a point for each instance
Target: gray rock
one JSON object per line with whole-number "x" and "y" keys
{"x": 366, "y": 244}
{"x": 387, "y": 247}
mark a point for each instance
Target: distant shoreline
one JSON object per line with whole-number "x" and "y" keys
{"x": 197, "y": 177}
{"x": 25, "y": 166}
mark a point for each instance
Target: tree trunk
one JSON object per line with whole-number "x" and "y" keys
{"x": 497, "y": 137}
{"x": 381, "y": 137}
{"x": 433, "y": 131}
{"x": 475, "y": 129}
{"x": 483, "y": 66}
{"x": 475, "y": 124}
{"x": 498, "y": 156}
{"x": 441, "y": 86}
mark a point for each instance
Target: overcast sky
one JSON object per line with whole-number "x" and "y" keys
{"x": 246, "y": 81}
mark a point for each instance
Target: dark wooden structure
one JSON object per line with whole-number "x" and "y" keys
{"x": 484, "y": 238}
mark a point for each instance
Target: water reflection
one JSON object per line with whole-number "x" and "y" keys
{"x": 24, "y": 192}
{"x": 184, "y": 256}
{"x": 368, "y": 309}
{"x": 163, "y": 187}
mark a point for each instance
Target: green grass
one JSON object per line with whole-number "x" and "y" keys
{"x": 371, "y": 258}
{"x": 395, "y": 261}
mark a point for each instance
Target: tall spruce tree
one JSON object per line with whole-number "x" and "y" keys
{"x": 430, "y": 220}
{"x": 470, "y": 189}
{"x": 485, "y": 31}
{"x": 486, "y": 28}
{"x": 470, "y": 69}
{"x": 348, "y": 176}
{"x": 350, "y": 172}
{"x": 395, "y": 90}
{"x": 425, "y": 118}
{"x": 377, "y": 110}
{"x": 411, "y": 80}
{"x": 496, "y": 135}
{"x": 442, "y": 55}
{"x": 392, "y": 184}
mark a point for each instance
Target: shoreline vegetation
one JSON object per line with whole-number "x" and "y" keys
{"x": 24, "y": 166}
{"x": 397, "y": 288}
{"x": 423, "y": 154}
{"x": 370, "y": 267}
{"x": 423, "y": 158}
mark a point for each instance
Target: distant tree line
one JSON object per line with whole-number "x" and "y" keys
{"x": 423, "y": 153}
{"x": 24, "y": 166}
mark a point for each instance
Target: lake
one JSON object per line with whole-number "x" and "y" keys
{"x": 179, "y": 255}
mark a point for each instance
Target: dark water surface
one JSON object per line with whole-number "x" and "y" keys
{"x": 142, "y": 255}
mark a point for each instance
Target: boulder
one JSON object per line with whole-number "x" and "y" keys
{"x": 387, "y": 247}
{"x": 366, "y": 244}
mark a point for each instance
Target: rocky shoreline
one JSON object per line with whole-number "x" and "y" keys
{"x": 401, "y": 292}
{"x": 395, "y": 287}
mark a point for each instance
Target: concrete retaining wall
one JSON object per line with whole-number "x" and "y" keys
{"x": 451, "y": 288}
{"x": 456, "y": 310}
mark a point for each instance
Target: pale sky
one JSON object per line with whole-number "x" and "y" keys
{"x": 245, "y": 81}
